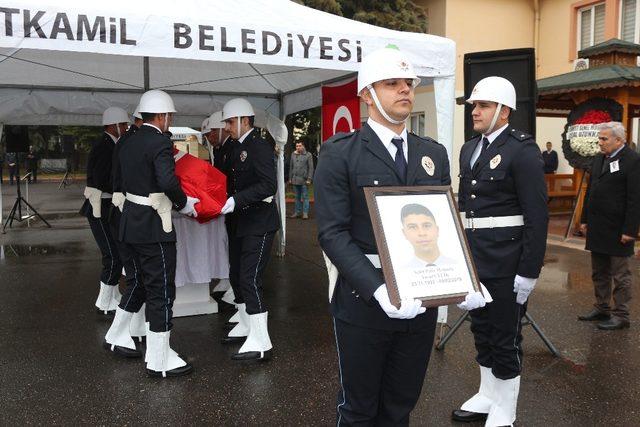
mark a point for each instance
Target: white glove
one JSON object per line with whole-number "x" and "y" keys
{"x": 229, "y": 206}
{"x": 475, "y": 300}
{"x": 189, "y": 208}
{"x": 523, "y": 287}
{"x": 408, "y": 308}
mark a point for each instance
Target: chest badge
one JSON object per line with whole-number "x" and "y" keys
{"x": 495, "y": 161}
{"x": 428, "y": 165}
{"x": 243, "y": 156}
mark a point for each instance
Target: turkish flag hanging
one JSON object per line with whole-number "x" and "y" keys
{"x": 340, "y": 109}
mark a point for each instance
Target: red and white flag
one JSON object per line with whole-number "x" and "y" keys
{"x": 340, "y": 109}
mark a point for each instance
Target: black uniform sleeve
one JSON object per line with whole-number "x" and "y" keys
{"x": 632, "y": 215}
{"x": 528, "y": 174}
{"x": 265, "y": 169}
{"x": 446, "y": 173}
{"x": 116, "y": 178}
{"x": 165, "y": 170}
{"x": 91, "y": 164}
{"x": 333, "y": 216}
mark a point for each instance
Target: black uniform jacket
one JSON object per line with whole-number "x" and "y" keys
{"x": 347, "y": 164}
{"x": 116, "y": 174}
{"x": 147, "y": 166}
{"x": 99, "y": 174}
{"x": 221, "y": 156}
{"x": 508, "y": 179}
{"x": 253, "y": 179}
{"x": 612, "y": 204}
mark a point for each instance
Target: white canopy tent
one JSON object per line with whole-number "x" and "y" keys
{"x": 63, "y": 62}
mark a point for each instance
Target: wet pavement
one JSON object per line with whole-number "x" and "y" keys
{"x": 53, "y": 369}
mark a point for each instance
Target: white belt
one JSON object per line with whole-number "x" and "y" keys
{"x": 138, "y": 200}
{"x": 492, "y": 221}
{"x": 105, "y": 195}
{"x": 158, "y": 201}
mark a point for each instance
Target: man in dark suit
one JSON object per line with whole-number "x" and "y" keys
{"x": 550, "y": 158}
{"x": 253, "y": 220}
{"x": 503, "y": 202}
{"x": 610, "y": 219}
{"x": 148, "y": 179}
{"x": 383, "y": 351}
{"x": 97, "y": 204}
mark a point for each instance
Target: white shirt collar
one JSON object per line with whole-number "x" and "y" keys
{"x": 493, "y": 135}
{"x": 153, "y": 126}
{"x": 615, "y": 153}
{"x": 243, "y": 137}
{"x": 385, "y": 134}
{"x": 113, "y": 138}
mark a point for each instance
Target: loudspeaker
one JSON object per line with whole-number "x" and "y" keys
{"x": 516, "y": 65}
{"x": 16, "y": 139}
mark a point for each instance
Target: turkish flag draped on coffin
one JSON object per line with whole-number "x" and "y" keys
{"x": 340, "y": 109}
{"x": 201, "y": 180}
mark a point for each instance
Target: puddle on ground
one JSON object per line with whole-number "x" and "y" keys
{"x": 17, "y": 251}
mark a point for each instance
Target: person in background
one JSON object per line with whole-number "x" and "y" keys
{"x": 32, "y": 165}
{"x": 550, "y": 158}
{"x": 610, "y": 220}
{"x": 300, "y": 176}
{"x": 12, "y": 162}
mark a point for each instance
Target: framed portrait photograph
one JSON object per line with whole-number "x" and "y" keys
{"x": 423, "y": 250}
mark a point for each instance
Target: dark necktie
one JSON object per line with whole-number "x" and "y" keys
{"x": 485, "y": 145}
{"x": 401, "y": 162}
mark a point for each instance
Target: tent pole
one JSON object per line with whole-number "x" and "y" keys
{"x": 282, "y": 199}
{"x": 145, "y": 71}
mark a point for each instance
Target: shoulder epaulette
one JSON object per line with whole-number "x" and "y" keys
{"x": 340, "y": 136}
{"x": 519, "y": 135}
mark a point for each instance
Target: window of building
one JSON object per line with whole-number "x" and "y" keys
{"x": 590, "y": 25}
{"x": 417, "y": 123}
{"x": 629, "y": 20}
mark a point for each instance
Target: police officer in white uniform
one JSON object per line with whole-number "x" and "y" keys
{"x": 152, "y": 189}
{"x": 383, "y": 351}
{"x": 98, "y": 202}
{"x": 503, "y": 201}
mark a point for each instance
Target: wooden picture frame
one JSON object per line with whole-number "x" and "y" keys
{"x": 404, "y": 221}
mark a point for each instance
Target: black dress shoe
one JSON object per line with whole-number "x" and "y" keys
{"x": 233, "y": 340}
{"x": 614, "y": 323}
{"x": 252, "y": 355}
{"x": 178, "y": 372}
{"x": 122, "y": 351}
{"x": 594, "y": 314}
{"x": 467, "y": 416}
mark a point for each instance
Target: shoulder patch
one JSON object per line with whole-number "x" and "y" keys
{"x": 519, "y": 135}
{"x": 340, "y": 136}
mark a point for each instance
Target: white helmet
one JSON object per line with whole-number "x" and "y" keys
{"x": 237, "y": 107}
{"x": 382, "y": 64}
{"x": 494, "y": 89}
{"x": 136, "y": 113}
{"x": 114, "y": 115}
{"x": 156, "y": 101}
{"x": 215, "y": 120}
{"x": 205, "y": 126}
